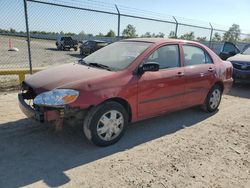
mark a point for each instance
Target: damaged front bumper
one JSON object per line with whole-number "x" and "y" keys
{"x": 41, "y": 116}
{"x": 51, "y": 115}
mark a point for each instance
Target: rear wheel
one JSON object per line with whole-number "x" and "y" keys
{"x": 105, "y": 124}
{"x": 213, "y": 99}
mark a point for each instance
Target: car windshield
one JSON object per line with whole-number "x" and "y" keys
{"x": 118, "y": 55}
{"x": 246, "y": 51}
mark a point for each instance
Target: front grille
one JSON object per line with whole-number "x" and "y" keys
{"x": 28, "y": 92}
{"x": 241, "y": 65}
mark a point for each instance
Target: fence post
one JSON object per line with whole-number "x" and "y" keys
{"x": 176, "y": 27}
{"x": 118, "y": 26}
{"x": 28, "y": 34}
{"x": 211, "y": 35}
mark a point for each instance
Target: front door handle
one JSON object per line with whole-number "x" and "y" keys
{"x": 210, "y": 69}
{"x": 180, "y": 74}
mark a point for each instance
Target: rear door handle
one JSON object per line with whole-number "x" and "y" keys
{"x": 210, "y": 69}
{"x": 180, "y": 74}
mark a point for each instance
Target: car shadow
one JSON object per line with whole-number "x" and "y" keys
{"x": 76, "y": 55}
{"x": 52, "y": 49}
{"x": 31, "y": 152}
{"x": 55, "y": 49}
{"x": 240, "y": 90}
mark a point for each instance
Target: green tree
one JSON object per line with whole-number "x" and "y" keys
{"x": 12, "y": 30}
{"x": 201, "y": 39}
{"x": 153, "y": 35}
{"x": 82, "y": 34}
{"x": 70, "y": 34}
{"x": 188, "y": 36}
{"x": 146, "y": 35}
{"x": 217, "y": 37}
{"x": 233, "y": 34}
{"x": 100, "y": 35}
{"x": 171, "y": 35}
{"x": 129, "y": 31}
{"x": 247, "y": 39}
{"x": 159, "y": 35}
{"x": 90, "y": 35}
{"x": 111, "y": 33}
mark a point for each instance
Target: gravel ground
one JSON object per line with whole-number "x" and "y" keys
{"x": 189, "y": 148}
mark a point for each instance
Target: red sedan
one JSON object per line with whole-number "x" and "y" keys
{"x": 124, "y": 82}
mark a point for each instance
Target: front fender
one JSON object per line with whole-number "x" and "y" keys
{"x": 94, "y": 98}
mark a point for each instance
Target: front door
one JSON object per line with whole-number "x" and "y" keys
{"x": 161, "y": 91}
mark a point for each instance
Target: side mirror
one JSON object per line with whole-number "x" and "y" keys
{"x": 149, "y": 66}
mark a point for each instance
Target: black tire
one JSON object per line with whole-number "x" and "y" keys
{"x": 93, "y": 117}
{"x": 208, "y": 106}
{"x": 59, "y": 47}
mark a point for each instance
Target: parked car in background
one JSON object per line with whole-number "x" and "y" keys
{"x": 125, "y": 82}
{"x": 66, "y": 43}
{"x": 241, "y": 65}
{"x": 228, "y": 50}
{"x": 91, "y": 46}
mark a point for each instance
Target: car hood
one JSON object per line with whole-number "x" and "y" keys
{"x": 65, "y": 76}
{"x": 240, "y": 57}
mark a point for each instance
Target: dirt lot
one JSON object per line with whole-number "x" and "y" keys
{"x": 189, "y": 148}
{"x": 44, "y": 54}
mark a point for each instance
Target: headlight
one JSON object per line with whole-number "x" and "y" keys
{"x": 56, "y": 97}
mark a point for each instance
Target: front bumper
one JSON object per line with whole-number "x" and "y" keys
{"x": 25, "y": 108}
{"x": 30, "y": 112}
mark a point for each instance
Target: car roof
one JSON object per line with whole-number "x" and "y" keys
{"x": 160, "y": 40}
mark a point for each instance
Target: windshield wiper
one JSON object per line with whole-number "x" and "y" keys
{"x": 100, "y": 65}
{"x": 81, "y": 61}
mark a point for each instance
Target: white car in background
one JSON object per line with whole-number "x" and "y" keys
{"x": 241, "y": 65}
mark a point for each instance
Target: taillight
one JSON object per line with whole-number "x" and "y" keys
{"x": 229, "y": 72}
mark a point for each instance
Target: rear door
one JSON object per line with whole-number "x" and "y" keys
{"x": 161, "y": 91}
{"x": 228, "y": 49}
{"x": 199, "y": 71}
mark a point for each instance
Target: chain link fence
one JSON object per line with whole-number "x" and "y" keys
{"x": 48, "y": 20}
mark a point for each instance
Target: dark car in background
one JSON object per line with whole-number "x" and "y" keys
{"x": 228, "y": 50}
{"x": 91, "y": 46}
{"x": 66, "y": 43}
{"x": 241, "y": 65}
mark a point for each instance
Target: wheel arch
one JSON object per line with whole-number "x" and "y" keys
{"x": 220, "y": 84}
{"x": 124, "y": 103}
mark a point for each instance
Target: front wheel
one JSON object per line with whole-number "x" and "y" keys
{"x": 105, "y": 124}
{"x": 213, "y": 99}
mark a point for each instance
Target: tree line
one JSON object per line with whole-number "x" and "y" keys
{"x": 232, "y": 35}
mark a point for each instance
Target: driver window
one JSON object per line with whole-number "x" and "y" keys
{"x": 167, "y": 56}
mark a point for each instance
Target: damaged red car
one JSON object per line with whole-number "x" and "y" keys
{"x": 124, "y": 82}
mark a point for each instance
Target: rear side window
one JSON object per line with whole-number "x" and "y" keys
{"x": 195, "y": 56}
